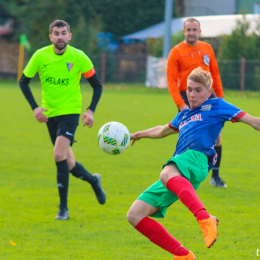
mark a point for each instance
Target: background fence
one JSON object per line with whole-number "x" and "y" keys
{"x": 130, "y": 68}
{"x": 240, "y": 74}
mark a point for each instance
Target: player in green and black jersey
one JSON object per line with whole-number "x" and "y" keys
{"x": 60, "y": 67}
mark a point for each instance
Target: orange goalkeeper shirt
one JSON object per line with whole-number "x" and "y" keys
{"x": 182, "y": 60}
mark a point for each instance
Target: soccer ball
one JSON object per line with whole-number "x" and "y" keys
{"x": 113, "y": 138}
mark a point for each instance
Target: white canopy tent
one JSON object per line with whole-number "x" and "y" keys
{"x": 211, "y": 26}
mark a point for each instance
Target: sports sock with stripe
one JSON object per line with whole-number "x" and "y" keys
{"x": 80, "y": 172}
{"x": 63, "y": 182}
{"x": 215, "y": 169}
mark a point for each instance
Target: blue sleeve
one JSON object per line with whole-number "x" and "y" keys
{"x": 227, "y": 111}
{"x": 175, "y": 122}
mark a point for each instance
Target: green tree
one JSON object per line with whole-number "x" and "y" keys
{"x": 155, "y": 46}
{"x": 33, "y": 19}
{"x": 128, "y": 16}
{"x": 87, "y": 18}
{"x": 114, "y": 16}
{"x": 242, "y": 43}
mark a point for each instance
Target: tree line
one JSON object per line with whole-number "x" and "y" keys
{"x": 86, "y": 17}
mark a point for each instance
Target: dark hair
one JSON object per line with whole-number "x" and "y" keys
{"x": 191, "y": 20}
{"x": 58, "y": 23}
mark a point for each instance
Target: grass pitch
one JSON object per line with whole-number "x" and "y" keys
{"x": 29, "y": 197}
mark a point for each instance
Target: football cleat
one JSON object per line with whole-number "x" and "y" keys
{"x": 100, "y": 194}
{"x": 190, "y": 256}
{"x": 63, "y": 214}
{"x": 209, "y": 230}
{"x": 217, "y": 182}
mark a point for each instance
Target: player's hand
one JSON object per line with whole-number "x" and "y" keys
{"x": 134, "y": 138}
{"x": 184, "y": 107}
{"x": 88, "y": 118}
{"x": 38, "y": 114}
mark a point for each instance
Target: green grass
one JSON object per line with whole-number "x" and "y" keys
{"x": 29, "y": 197}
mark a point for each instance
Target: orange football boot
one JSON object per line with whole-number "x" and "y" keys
{"x": 209, "y": 230}
{"x": 189, "y": 256}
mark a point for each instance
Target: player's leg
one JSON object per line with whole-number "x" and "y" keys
{"x": 62, "y": 130}
{"x": 78, "y": 171}
{"x": 175, "y": 177}
{"x": 60, "y": 151}
{"x": 215, "y": 178}
{"x": 138, "y": 217}
{"x": 173, "y": 180}
{"x": 71, "y": 159}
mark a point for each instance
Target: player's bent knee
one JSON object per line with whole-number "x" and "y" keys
{"x": 164, "y": 178}
{"x": 129, "y": 217}
{"x": 132, "y": 218}
{"x": 59, "y": 156}
{"x": 168, "y": 172}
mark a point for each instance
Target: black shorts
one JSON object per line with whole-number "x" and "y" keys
{"x": 64, "y": 125}
{"x": 185, "y": 98}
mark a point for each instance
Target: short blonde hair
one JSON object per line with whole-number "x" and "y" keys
{"x": 201, "y": 76}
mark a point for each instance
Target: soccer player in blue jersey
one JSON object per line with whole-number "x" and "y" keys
{"x": 198, "y": 129}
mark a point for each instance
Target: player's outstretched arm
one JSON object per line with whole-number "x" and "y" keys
{"x": 156, "y": 132}
{"x": 251, "y": 120}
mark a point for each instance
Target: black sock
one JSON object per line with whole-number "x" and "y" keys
{"x": 215, "y": 169}
{"x": 80, "y": 172}
{"x": 63, "y": 182}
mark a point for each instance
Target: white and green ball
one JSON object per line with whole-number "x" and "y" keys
{"x": 113, "y": 138}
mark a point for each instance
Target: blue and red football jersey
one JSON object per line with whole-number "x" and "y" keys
{"x": 200, "y": 127}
